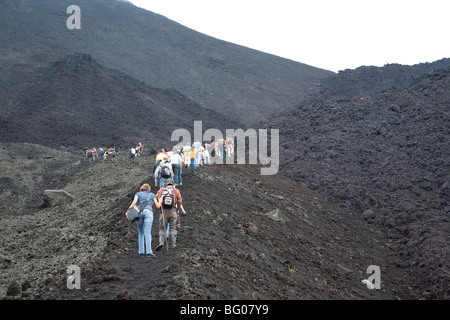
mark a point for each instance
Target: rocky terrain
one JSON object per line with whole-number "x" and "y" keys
{"x": 365, "y": 81}
{"x": 386, "y": 158}
{"x": 362, "y": 182}
{"x": 246, "y": 236}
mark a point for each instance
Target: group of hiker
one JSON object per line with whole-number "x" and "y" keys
{"x": 136, "y": 151}
{"x": 224, "y": 147}
{"x": 168, "y": 200}
{"x": 167, "y": 174}
{"x": 101, "y": 154}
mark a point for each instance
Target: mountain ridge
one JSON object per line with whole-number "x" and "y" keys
{"x": 219, "y": 75}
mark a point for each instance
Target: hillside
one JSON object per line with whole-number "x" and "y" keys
{"x": 366, "y": 81}
{"x": 76, "y": 102}
{"x": 233, "y": 80}
{"x": 246, "y": 236}
{"x": 386, "y": 158}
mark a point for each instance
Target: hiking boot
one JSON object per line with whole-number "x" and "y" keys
{"x": 151, "y": 255}
{"x": 159, "y": 247}
{"x": 173, "y": 246}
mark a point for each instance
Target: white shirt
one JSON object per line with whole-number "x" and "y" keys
{"x": 175, "y": 158}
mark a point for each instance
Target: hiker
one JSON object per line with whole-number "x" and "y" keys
{"x": 170, "y": 199}
{"x": 201, "y": 156}
{"x": 177, "y": 165}
{"x": 139, "y": 149}
{"x": 154, "y": 167}
{"x": 229, "y": 146}
{"x": 220, "y": 148}
{"x": 186, "y": 152}
{"x": 94, "y": 154}
{"x": 144, "y": 224}
{"x": 192, "y": 157}
{"x": 162, "y": 173}
{"x": 196, "y": 145}
{"x": 206, "y": 153}
{"x": 102, "y": 154}
{"x": 132, "y": 155}
{"x": 89, "y": 155}
{"x": 162, "y": 155}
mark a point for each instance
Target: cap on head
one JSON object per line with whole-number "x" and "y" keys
{"x": 170, "y": 182}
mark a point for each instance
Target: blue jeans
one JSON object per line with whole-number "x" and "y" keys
{"x": 176, "y": 173}
{"x": 144, "y": 225}
{"x": 162, "y": 182}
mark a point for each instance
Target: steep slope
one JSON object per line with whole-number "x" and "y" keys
{"x": 234, "y": 80}
{"x": 77, "y": 102}
{"x": 246, "y": 236}
{"x": 387, "y": 158}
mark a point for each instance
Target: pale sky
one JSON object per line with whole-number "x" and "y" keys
{"x": 328, "y": 34}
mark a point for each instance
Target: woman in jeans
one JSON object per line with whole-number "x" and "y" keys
{"x": 144, "y": 224}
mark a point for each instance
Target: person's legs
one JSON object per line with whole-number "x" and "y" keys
{"x": 172, "y": 229}
{"x": 186, "y": 159}
{"x": 176, "y": 173}
{"x": 140, "y": 226}
{"x": 147, "y": 228}
{"x": 162, "y": 236}
{"x": 162, "y": 182}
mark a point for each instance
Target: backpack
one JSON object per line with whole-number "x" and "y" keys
{"x": 168, "y": 198}
{"x": 165, "y": 172}
{"x": 135, "y": 212}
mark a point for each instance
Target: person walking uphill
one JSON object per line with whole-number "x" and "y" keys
{"x": 170, "y": 199}
{"x": 162, "y": 173}
{"x": 144, "y": 224}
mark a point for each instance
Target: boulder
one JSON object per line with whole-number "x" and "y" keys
{"x": 57, "y": 197}
{"x": 14, "y": 289}
{"x": 276, "y": 215}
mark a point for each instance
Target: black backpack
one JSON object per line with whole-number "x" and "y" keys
{"x": 168, "y": 198}
{"x": 165, "y": 172}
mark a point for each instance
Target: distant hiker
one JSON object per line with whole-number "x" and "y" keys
{"x": 177, "y": 165}
{"x": 102, "y": 154}
{"x": 162, "y": 155}
{"x": 162, "y": 173}
{"x": 132, "y": 154}
{"x": 111, "y": 152}
{"x": 186, "y": 152}
{"x": 206, "y": 153}
{"x": 170, "y": 199}
{"x": 144, "y": 224}
{"x": 229, "y": 146}
{"x": 94, "y": 154}
{"x": 219, "y": 148}
{"x": 201, "y": 156}
{"x": 192, "y": 157}
{"x": 139, "y": 149}
{"x": 196, "y": 145}
{"x": 89, "y": 155}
